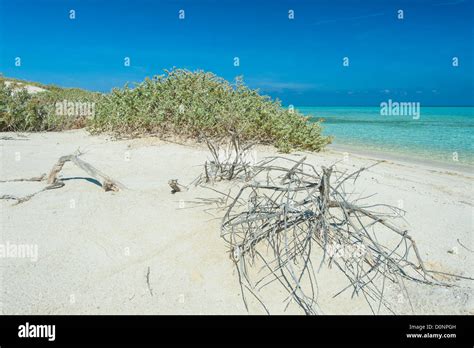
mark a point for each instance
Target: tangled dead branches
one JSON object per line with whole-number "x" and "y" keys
{"x": 298, "y": 209}
{"x": 287, "y": 213}
{"x": 231, "y": 159}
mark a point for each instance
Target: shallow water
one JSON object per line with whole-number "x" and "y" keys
{"x": 443, "y": 134}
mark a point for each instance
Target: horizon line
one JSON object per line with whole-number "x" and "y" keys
{"x": 274, "y": 98}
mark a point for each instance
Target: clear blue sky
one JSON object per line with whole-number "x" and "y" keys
{"x": 298, "y": 61}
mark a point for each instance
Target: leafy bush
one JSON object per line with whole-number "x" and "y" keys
{"x": 193, "y": 103}
{"x": 179, "y": 103}
{"x": 23, "y": 111}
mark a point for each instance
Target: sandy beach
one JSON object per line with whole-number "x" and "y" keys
{"x": 144, "y": 250}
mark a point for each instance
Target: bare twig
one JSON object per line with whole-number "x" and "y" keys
{"x": 148, "y": 281}
{"x": 35, "y": 178}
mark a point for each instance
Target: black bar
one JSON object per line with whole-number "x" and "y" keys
{"x": 242, "y": 330}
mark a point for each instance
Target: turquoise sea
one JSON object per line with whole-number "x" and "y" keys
{"x": 440, "y": 134}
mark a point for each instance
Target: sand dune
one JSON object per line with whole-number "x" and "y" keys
{"x": 30, "y": 88}
{"x": 145, "y": 251}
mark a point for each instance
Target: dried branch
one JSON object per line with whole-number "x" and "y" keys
{"x": 35, "y": 178}
{"x": 231, "y": 159}
{"x": 273, "y": 225}
{"x": 108, "y": 183}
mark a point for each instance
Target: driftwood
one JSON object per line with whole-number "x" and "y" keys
{"x": 299, "y": 208}
{"x": 26, "y": 198}
{"x": 174, "y": 185}
{"x": 53, "y": 182}
{"x": 274, "y": 224}
{"x": 108, "y": 184}
{"x": 35, "y": 178}
{"x": 12, "y": 138}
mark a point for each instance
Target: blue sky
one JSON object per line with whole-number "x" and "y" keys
{"x": 299, "y": 61}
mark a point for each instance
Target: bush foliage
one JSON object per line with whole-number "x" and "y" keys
{"x": 23, "y": 111}
{"x": 179, "y": 103}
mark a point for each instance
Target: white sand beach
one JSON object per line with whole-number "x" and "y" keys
{"x": 97, "y": 249}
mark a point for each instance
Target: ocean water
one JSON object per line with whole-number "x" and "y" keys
{"x": 440, "y": 134}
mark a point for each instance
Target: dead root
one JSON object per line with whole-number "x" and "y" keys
{"x": 53, "y": 182}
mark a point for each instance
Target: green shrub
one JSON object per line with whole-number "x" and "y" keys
{"x": 179, "y": 103}
{"x": 23, "y": 111}
{"x": 193, "y": 103}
